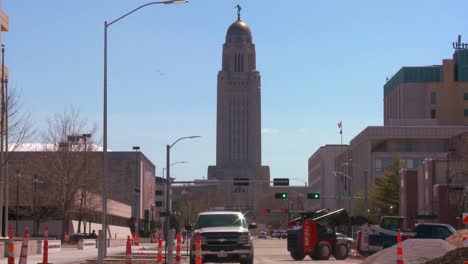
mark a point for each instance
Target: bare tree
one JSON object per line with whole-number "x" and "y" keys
{"x": 16, "y": 128}
{"x": 71, "y": 175}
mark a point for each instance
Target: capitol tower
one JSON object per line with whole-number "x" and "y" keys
{"x": 238, "y": 130}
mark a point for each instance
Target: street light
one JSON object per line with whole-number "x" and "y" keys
{"x": 168, "y": 191}
{"x": 18, "y": 175}
{"x": 36, "y": 180}
{"x": 105, "y": 183}
{"x": 137, "y": 191}
{"x": 366, "y": 204}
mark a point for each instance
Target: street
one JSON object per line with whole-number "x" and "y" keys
{"x": 274, "y": 250}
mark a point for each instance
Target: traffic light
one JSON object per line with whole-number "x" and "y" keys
{"x": 313, "y": 196}
{"x": 281, "y": 195}
{"x": 266, "y": 210}
{"x": 283, "y": 211}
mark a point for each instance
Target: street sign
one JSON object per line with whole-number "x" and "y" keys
{"x": 465, "y": 218}
{"x": 281, "y": 182}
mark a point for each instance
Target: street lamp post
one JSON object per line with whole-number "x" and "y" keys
{"x": 366, "y": 202}
{"x": 137, "y": 191}
{"x": 18, "y": 175}
{"x": 36, "y": 180}
{"x": 168, "y": 193}
{"x": 105, "y": 181}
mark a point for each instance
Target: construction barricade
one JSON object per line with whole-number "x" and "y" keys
{"x": 128, "y": 252}
{"x": 399, "y": 249}
{"x": 178, "y": 257}
{"x": 45, "y": 251}
{"x": 198, "y": 256}
{"x": 11, "y": 246}
{"x": 24, "y": 248}
{"x": 160, "y": 246}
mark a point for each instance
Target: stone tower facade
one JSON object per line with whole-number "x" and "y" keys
{"x": 238, "y": 138}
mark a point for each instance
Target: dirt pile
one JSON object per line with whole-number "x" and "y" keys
{"x": 415, "y": 251}
{"x": 456, "y": 256}
{"x": 457, "y": 239}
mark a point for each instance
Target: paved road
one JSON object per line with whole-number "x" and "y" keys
{"x": 274, "y": 251}
{"x": 266, "y": 251}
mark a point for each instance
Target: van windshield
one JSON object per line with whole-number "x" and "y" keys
{"x": 233, "y": 220}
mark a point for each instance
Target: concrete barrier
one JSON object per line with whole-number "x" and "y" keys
{"x": 87, "y": 244}
{"x": 53, "y": 245}
{"x": 34, "y": 247}
{"x": 116, "y": 242}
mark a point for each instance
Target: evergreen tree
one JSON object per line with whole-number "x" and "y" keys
{"x": 384, "y": 196}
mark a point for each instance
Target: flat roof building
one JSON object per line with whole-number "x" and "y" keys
{"x": 430, "y": 95}
{"x": 373, "y": 149}
{"x": 321, "y": 174}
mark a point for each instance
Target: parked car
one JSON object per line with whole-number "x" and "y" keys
{"x": 433, "y": 230}
{"x": 283, "y": 234}
{"x": 275, "y": 234}
{"x": 77, "y": 236}
{"x": 262, "y": 234}
{"x": 345, "y": 239}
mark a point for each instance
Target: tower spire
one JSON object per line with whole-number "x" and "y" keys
{"x": 239, "y": 8}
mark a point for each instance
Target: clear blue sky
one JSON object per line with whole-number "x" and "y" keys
{"x": 320, "y": 61}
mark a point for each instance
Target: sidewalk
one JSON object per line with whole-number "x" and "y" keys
{"x": 70, "y": 255}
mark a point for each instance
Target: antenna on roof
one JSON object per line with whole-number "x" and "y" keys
{"x": 459, "y": 45}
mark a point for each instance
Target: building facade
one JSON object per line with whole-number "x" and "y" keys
{"x": 437, "y": 191}
{"x": 238, "y": 133}
{"x": 372, "y": 150}
{"x": 430, "y": 95}
{"x": 131, "y": 182}
{"x": 322, "y": 176}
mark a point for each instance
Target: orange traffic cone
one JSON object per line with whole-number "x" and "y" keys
{"x": 24, "y": 248}
{"x": 11, "y": 246}
{"x": 198, "y": 256}
{"x": 160, "y": 245}
{"x": 179, "y": 240}
{"x": 399, "y": 249}
{"x": 45, "y": 251}
{"x": 128, "y": 253}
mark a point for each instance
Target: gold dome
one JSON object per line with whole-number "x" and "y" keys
{"x": 239, "y": 31}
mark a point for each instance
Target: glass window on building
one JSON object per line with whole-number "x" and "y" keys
{"x": 409, "y": 164}
{"x": 378, "y": 165}
{"x": 465, "y": 96}
{"x": 433, "y": 114}
{"x": 386, "y": 162}
{"x": 465, "y": 113}
{"x": 433, "y": 98}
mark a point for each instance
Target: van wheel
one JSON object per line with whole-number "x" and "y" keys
{"x": 341, "y": 251}
{"x": 297, "y": 255}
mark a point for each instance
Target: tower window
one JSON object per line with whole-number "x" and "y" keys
{"x": 433, "y": 98}
{"x": 433, "y": 114}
